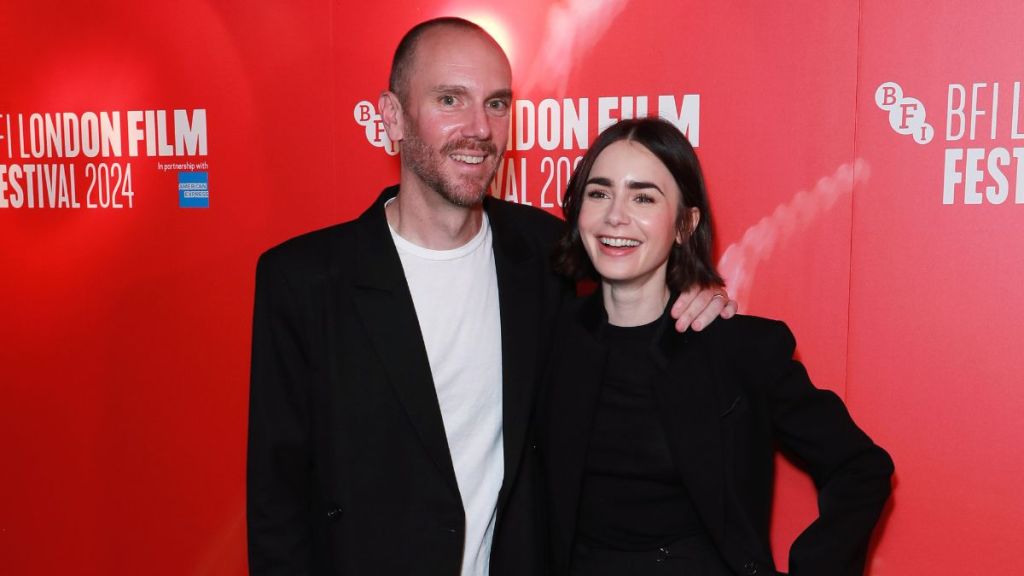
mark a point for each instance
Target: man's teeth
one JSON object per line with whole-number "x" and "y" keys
{"x": 620, "y": 242}
{"x": 467, "y": 159}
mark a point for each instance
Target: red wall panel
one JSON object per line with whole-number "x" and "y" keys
{"x": 124, "y": 333}
{"x": 935, "y": 303}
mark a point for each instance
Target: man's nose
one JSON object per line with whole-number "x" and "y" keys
{"x": 477, "y": 124}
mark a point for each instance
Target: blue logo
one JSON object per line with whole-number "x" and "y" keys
{"x": 193, "y": 190}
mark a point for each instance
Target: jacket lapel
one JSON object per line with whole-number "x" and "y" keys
{"x": 689, "y": 412}
{"x": 384, "y": 305}
{"x": 520, "y": 284}
{"x": 575, "y": 387}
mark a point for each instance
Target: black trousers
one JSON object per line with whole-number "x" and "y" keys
{"x": 689, "y": 556}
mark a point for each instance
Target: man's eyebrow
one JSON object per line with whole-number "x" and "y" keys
{"x": 504, "y": 94}
{"x": 450, "y": 89}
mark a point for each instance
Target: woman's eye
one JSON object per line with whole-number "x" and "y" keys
{"x": 596, "y": 194}
{"x": 644, "y": 199}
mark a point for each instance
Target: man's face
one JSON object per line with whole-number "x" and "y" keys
{"x": 456, "y": 114}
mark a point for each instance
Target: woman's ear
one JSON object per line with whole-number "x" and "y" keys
{"x": 692, "y": 218}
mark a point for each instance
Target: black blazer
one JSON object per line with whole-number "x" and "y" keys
{"x": 348, "y": 465}
{"x": 726, "y": 397}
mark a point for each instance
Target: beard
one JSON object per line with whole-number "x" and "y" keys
{"x": 425, "y": 162}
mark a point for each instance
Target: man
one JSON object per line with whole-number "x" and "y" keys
{"x": 396, "y": 357}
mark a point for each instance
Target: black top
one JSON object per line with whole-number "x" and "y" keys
{"x": 633, "y": 496}
{"x": 727, "y": 396}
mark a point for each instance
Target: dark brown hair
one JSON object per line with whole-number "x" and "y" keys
{"x": 689, "y": 263}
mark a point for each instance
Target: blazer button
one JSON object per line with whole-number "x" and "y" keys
{"x": 334, "y": 513}
{"x": 750, "y": 568}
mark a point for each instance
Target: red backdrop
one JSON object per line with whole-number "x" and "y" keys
{"x": 860, "y": 155}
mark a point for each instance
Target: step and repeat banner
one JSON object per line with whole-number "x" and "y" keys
{"x": 865, "y": 161}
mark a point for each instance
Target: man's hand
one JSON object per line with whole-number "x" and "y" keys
{"x": 698, "y": 307}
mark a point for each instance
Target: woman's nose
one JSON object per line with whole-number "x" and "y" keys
{"x": 617, "y": 213}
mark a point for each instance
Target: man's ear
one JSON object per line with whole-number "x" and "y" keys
{"x": 390, "y": 107}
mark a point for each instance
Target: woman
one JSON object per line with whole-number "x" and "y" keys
{"x": 658, "y": 446}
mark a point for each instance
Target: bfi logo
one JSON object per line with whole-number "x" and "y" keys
{"x": 906, "y": 115}
{"x": 988, "y": 169}
{"x": 366, "y": 116}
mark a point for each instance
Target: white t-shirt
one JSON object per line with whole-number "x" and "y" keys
{"x": 455, "y": 293}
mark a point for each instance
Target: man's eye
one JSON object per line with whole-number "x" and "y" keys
{"x": 448, "y": 100}
{"x": 498, "y": 105}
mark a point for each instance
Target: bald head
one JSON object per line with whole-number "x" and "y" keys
{"x": 404, "y": 60}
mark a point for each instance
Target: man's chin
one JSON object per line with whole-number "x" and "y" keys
{"x": 465, "y": 198}
{"x": 467, "y": 193}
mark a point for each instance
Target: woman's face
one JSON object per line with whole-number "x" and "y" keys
{"x": 627, "y": 220}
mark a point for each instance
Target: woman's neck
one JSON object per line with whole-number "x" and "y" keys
{"x": 634, "y": 305}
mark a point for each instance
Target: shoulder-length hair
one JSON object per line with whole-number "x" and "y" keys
{"x": 689, "y": 262}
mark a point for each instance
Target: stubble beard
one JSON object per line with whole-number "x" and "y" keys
{"x": 425, "y": 163}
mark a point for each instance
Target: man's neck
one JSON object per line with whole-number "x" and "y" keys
{"x": 426, "y": 219}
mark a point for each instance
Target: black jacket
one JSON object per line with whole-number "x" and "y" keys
{"x": 348, "y": 465}
{"x": 726, "y": 397}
